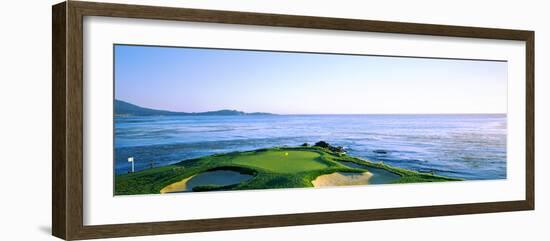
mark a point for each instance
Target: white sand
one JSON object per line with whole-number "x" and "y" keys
{"x": 342, "y": 179}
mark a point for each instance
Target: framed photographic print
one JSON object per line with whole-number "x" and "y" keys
{"x": 171, "y": 120}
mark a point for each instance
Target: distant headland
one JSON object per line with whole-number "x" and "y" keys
{"x": 123, "y": 108}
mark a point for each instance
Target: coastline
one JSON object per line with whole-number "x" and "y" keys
{"x": 269, "y": 168}
{"x": 427, "y": 143}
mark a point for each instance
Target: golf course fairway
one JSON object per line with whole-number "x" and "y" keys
{"x": 278, "y": 167}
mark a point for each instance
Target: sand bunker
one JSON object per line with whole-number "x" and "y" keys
{"x": 342, "y": 179}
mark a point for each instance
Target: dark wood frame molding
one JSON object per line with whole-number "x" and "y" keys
{"x": 67, "y": 122}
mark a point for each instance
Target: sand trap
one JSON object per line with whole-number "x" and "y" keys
{"x": 379, "y": 175}
{"x": 217, "y": 178}
{"x": 342, "y": 179}
{"x": 177, "y": 186}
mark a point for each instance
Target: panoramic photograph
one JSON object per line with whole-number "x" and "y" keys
{"x": 203, "y": 119}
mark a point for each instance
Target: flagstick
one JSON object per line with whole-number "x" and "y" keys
{"x": 131, "y": 159}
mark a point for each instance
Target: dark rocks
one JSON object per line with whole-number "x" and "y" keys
{"x": 323, "y": 144}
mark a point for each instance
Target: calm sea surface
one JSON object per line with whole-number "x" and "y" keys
{"x": 465, "y": 146}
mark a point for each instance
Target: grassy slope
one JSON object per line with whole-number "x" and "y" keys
{"x": 272, "y": 168}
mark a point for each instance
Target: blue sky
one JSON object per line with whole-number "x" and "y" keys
{"x": 197, "y": 80}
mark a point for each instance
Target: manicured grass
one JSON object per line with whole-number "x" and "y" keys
{"x": 282, "y": 161}
{"x": 285, "y": 167}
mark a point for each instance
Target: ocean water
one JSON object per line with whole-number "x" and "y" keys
{"x": 469, "y": 146}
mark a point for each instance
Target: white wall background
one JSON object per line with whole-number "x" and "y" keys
{"x": 25, "y": 123}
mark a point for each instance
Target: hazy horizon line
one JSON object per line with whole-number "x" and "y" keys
{"x": 393, "y": 113}
{"x": 411, "y": 113}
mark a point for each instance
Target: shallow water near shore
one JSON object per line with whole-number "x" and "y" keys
{"x": 471, "y": 147}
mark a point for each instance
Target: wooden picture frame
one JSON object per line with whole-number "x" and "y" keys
{"x": 67, "y": 123}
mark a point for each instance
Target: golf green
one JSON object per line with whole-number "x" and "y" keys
{"x": 283, "y": 161}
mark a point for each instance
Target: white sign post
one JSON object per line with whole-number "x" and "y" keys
{"x": 131, "y": 159}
